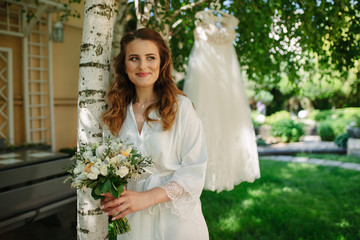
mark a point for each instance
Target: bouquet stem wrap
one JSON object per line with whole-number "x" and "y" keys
{"x": 121, "y": 226}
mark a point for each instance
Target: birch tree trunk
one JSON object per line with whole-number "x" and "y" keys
{"x": 92, "y": 223}
{"x": 143, "y": 15}
{"x": 160, "y": 11}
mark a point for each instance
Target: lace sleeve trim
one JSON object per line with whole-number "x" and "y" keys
{"x": 181, "y": 203}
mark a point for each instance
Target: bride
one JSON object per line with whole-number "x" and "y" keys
{"x": 213, "y": 83}
{"x": 147, "y": 108}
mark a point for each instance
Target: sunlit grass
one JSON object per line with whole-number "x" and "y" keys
{"x": 329, "y": 156}
{"x": 289, "y": 201}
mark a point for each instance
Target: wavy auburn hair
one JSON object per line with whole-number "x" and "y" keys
{"x": 122, "y": 91}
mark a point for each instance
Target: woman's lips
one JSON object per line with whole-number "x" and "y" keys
{"x": 142, "y": 74}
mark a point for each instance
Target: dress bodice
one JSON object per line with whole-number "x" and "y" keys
{"x": 217, "y": 29}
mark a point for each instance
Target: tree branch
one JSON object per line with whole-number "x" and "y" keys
{"x": 186, "y": 8}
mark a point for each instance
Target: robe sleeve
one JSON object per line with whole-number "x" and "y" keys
{"x": 185, "y": 186}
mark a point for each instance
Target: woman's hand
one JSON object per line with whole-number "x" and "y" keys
{"x": 130, "y": 201}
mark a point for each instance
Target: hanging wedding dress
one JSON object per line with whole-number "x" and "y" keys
{"x": 213, "y": 83}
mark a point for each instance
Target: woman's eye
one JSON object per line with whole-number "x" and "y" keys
{"x": 133, "y": 58}
{"x": 151, "y": 58}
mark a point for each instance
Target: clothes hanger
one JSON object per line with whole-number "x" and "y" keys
{"x": 215, "y": 9}
{"x": 214, "y": 12}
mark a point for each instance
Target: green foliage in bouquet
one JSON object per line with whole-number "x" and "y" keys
{"x": 287, "y": 130}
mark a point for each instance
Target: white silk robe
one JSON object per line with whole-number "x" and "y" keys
{"x": 180, "y": 157}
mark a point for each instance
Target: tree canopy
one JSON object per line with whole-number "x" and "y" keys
{"x": 278, "y": 41}
{"x": 275, "y": 37}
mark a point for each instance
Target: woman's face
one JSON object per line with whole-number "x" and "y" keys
{"x": 142, "y": 63}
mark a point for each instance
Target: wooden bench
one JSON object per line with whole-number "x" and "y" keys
{"x": 31, "y": 187}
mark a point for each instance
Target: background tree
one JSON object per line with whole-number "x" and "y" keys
{"x": 305, "y": 44}
{"x": 274, "y": 37}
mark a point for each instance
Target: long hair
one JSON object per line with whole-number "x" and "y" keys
{"x": 122, "y": 91}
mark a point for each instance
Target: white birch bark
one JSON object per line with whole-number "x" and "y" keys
{"x": 92, "y": 223}
{"x": 143, "y": 15}
{"x": 160, "y": 11}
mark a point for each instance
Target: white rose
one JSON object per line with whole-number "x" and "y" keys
{"x": 87, "y": 154}
{"x": 122, "y": 171}
{"x": 98, "y": 164}
{"x": 80, "y": 167}
{"x": 77, "y": 171}
{"x": 101, "y": 150}
{"x": 92, "y": 176}
{"x": 95, "y": 170}
{"x": 88, "y": 148}
{"x": 93, "y": 159}
{"x": 81, "y": 177}
{"x": 117, "y": 159}
{"x": 103, "y": 170}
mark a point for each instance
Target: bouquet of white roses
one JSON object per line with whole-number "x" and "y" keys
{"x": 106, "y": 168}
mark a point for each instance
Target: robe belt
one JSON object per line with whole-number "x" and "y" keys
{"x": 156, "y": 180}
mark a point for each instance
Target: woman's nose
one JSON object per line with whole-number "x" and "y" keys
{"x": 142, "y": 64}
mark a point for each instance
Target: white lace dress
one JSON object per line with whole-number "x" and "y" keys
{"x": 180, "y": 160}
{"x": 213, "y": 83}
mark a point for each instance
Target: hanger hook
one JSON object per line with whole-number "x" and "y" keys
{"x": 215, "y": 5}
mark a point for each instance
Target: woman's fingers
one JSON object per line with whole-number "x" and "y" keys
{"x": 118, "y": 210}
{"x": 112, "y": 203}
{"x": 120, "y": 215}
{"x": 106, "y": 200}
{"x": 128, "y": 202}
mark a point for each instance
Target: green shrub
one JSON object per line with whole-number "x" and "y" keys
{"x": 321, "y": 115}
{"x": 341, "y": 140}
{"x": 287, "y": 130}
{"x": 326, "y": 131}
{"x": 349, "y": 113}
{"x": 261, "y": 142}
{"x": 270, "y": 120}
{"x": 339, "y": 125}
{"x": 340, "y": 113}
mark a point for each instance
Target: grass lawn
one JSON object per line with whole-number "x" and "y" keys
{"x": 289, "y": 201}
{"x": 329, "y": 156}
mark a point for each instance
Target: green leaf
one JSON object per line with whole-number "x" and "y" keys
{"x": 94, "y": 195}
{"x": 92, "y": 185}
{"x": 121, "y": 188}
{"x": 98, "y": 188}
{"x": 114, "y": 192}
{"x": 107, "y": 185}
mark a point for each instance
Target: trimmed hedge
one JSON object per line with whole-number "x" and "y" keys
{"x": 287, "y": 130}
{"x": 326, "y": 131}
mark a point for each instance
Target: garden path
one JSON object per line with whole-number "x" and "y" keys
{"x": 330, "y": 163}
{"x": 309, "y": 144}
